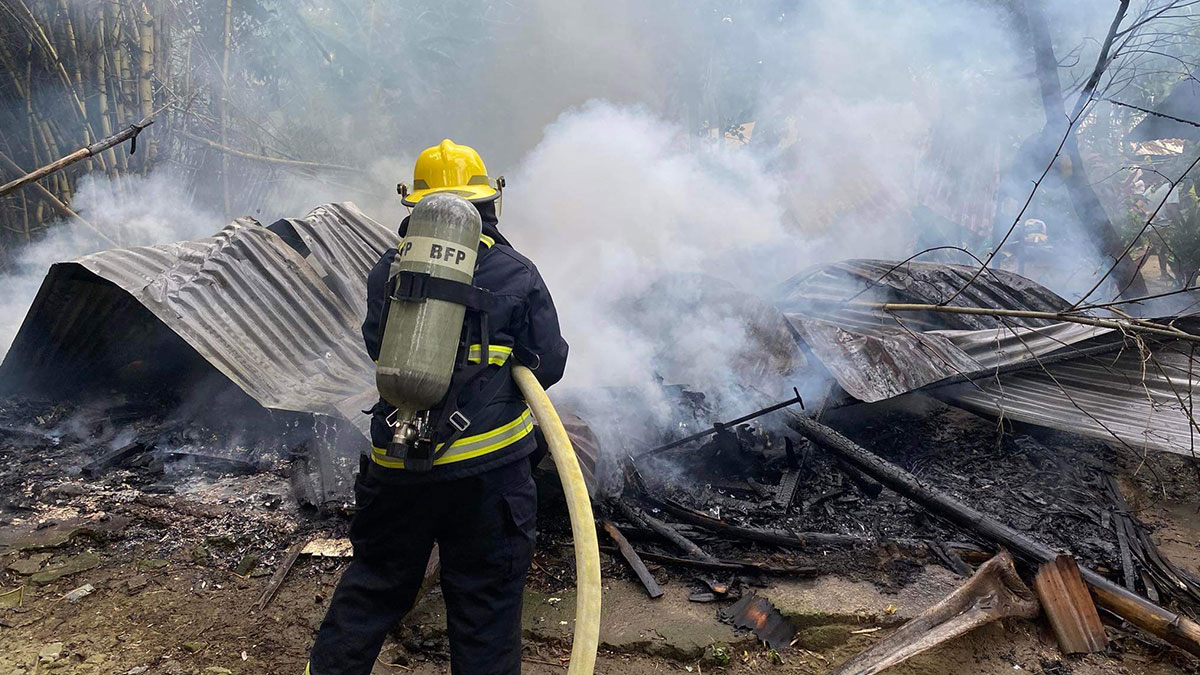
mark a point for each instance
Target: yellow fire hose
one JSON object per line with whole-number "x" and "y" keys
{"x": 583, "y": 524}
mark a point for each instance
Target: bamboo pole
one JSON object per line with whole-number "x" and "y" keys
{"x": 224, "y": 105}
{"x": 117, "y": 71}
{"x": 128, "y": 133}
{"x": 269, "y": 160}
{"x": 145, "y": 72}
{"x": 1174, "y": 628}
{"x": 1129, "y": 325}
{"x": 54, "y": 202}
{"x": 38, "y": 32}
{"x": 74, "y": 53}
{"x": 102, "y": 82}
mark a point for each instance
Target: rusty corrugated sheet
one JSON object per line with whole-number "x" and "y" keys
{"x": 821, "y": 292}
{"x": 244, "y": 300}
{"x": 1063, "y": 375}
{"x": 276, "y": 310}
{"x": 1142, "y": 398}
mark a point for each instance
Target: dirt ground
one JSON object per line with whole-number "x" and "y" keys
{"x": 174, "y": 579}
{"x": 168, "y": 597}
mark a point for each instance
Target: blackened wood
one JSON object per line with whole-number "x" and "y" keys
{"x": 665, "y": 531}
{"x": 868, "y": 487}
{"x": 724, "y": 565}
{"x": 113, "y": 459}
{"x": 1174, "y": 628}
{"x": 281, "y": 572}
{"x": 785, "y": 494}
{"x": 785, "y": 539}
{"x": 631, "y": 557}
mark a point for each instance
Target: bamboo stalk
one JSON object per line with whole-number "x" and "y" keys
{"x": 37, "y": 31}
{"x": 224, "y": 104}
{"x": 102, "y": 82}
{"x": 1136, "y": 326}
{"x": 82, "y": 153}
{"x": 266, "y": 159}
{"x": 25, "y": 218}
{"x": 145, "y": 72}
{"x": 113, "y": 51}
{"x": 53, "y": 201}
{"x": 74, "y": 54}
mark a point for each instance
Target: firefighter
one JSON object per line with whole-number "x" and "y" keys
{"x": 478, "y": 502}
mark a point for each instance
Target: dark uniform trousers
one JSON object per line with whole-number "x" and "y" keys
{"x": 485, "y": 527}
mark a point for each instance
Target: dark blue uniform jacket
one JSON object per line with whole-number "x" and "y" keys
{"x": 523, "y": 317}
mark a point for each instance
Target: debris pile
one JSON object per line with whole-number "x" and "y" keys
{"x": 137, "y": 406}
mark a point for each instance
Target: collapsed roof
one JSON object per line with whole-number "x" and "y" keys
{"x": 276, "y": 312}
{"x": 1063, "y": 375}
{"x": 271, "y": 308}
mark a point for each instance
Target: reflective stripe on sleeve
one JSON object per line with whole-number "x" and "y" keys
{"x": 497, "y": 354}
{"x": 472, "y": 446}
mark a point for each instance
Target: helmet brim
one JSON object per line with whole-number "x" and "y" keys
{"x": 476, "y": 194}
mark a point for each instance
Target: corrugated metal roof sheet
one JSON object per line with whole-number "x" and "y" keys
{"x": 276, "y": 310}
{"x": 1063, "y": 375}
{"x": 1143, "y": 398}
{"x": 243, "y": 299}
{"x": 821, "y": 292}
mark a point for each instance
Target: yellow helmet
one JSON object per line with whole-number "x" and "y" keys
{"x": 453, "y": 168}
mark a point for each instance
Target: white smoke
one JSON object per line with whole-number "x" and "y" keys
{"x": 609, "y": 120}
{"x": 137, "y": 211}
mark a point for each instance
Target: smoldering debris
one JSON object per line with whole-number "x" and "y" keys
{"x": 185, "y": 421}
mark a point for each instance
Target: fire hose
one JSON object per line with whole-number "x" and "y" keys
{"x": 583, "y": 524}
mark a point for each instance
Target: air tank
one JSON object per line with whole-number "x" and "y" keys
{"x": 420, "y": 339}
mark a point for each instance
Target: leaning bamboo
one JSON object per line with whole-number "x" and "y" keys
{"x": 1174, "y": 628}
{"x": 297, "y": 163}
{"x": 125, "y": 134}
{"x": 1133, "y": 326}
{"x": 38, "y": 34}
{"x": 145, "y": 72}
{"x": 54, "y": 202}
{"x": 224, "y": 105}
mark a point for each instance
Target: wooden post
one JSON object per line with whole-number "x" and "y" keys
{"x": 635, "y": 562}
{"x": 1069, "y": 607}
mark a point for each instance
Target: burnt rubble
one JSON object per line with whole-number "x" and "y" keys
{"x": 136, "y": 407}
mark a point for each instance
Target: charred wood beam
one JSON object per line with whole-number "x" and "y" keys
{"x": 1174, "y": 628}
{"x": 786, "y": 539}
{"x": 281, "y": 572}
{"x": 723, "y": 565}
{"x": 635, "y": 562}
{"x": 665, "y": 531}
{"x": 864, "y": 483}
{"x": 129, "y": 133}
{"x": 113, "y": 459}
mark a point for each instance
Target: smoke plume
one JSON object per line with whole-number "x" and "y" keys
{"x": 668, "y": 163}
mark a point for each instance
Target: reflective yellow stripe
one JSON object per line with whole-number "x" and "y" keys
{"x": 497, "y": 354}
{"x": 487, "y": 241}
{"x": 471, "y": 446}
